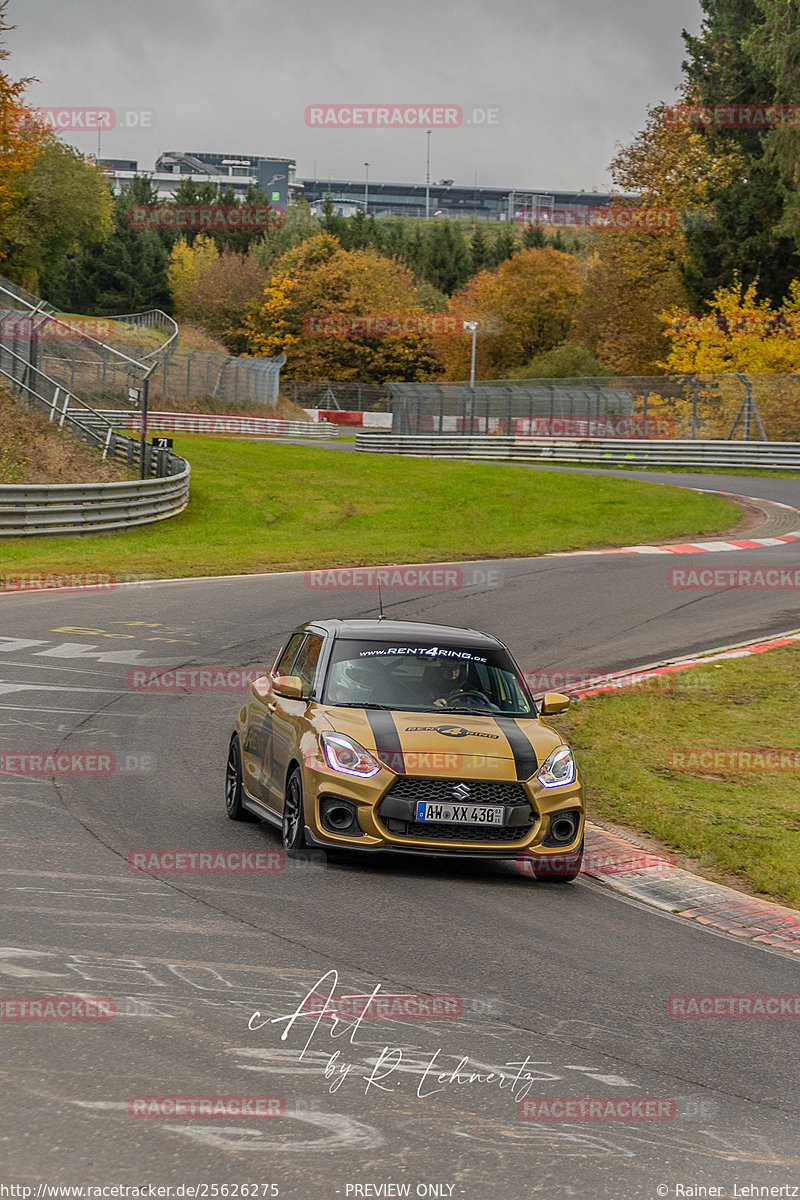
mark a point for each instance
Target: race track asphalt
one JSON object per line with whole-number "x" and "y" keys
{"x": 568, "y": 983}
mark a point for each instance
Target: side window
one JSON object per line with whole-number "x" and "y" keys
{"x": 307, "y": 659}
{"x": 286, "y": 661}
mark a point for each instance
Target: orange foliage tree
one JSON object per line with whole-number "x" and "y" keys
{"x": 632, "y": 276}
{"x": 20, "y": 135}
{"x": 318, "y": 279}
{"x": 523, "y": 308}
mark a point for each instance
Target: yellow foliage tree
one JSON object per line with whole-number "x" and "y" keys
{"x": 187, "y": 267}
{"x": 741, "y": 333}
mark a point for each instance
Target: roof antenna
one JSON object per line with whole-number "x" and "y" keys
{"x": 380, "y": 602}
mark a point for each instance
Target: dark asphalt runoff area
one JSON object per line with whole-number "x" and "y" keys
{"x": 561, "y": 991}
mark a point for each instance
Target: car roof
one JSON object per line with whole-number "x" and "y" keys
{"x": 405, "y": 631}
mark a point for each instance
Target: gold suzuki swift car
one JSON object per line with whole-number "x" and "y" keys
{"x": 393, "y": 735}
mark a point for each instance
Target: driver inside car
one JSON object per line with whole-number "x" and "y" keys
{"x": 450, "y": 677}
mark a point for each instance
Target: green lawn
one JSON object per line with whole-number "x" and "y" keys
{"x": 263, "y": 506}
{"x": 736, "y": 823}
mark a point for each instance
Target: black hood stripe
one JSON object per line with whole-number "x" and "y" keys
{"x": 388, "y": 747}
{"x": 524, "y": 755}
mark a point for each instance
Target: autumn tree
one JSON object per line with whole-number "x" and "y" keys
{"x": 633, "y": 275}
{"x": 523, "y": 308}
{"x": 739, "y": 333}
{"x": 318, "y": 279}
{"x": 20, "y": 137}
{"x": 215, "y": 289}
{"x": 64, "y": 202}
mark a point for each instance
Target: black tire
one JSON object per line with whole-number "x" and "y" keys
{"x": 565, "y": 868}
{"x": 233, "y": 784}
{"x": 293, "y": 830}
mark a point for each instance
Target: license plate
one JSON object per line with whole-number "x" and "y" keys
{"x": 459, "y": 814}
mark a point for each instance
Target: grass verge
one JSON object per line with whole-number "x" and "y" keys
{"x": 35, "y": 451}
{"x": 740, "y": 823}
{"x": 262, "y": 506}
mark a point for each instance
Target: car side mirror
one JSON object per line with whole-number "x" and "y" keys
{"x": 288, "y": 686}
{"x": 553, "y": 703}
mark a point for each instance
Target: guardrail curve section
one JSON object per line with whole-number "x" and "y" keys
{"x": 79, "y": 509}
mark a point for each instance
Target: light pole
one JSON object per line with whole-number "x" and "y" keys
{"x": 428, "y": 179}
{"x": 366, "y": 189}
{"x": 473, "y": 325}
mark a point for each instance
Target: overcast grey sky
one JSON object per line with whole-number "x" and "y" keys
{"x": 570, "y": 78}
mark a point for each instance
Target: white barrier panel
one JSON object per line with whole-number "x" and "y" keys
{"x": 212, "y": 423}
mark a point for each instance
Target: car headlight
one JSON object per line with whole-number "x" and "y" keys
{"x": 344, "y": 754}
{"x": 559, "y": 768}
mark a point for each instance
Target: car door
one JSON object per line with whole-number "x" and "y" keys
{"x": 257, "y": 751}
{"x": 288, "y": 716}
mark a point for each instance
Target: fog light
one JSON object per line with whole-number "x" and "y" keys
{"x": 339, "y": 816}
{"x": 563, "y": 828}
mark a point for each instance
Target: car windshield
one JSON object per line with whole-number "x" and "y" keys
{"x": 425, "y": 678}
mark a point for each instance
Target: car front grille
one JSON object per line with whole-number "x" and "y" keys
{"x": 397, "y": 809}
{"x": 440, "y": 791}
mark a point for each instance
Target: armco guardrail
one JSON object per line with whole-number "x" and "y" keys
{"x": 231, "y": 426}
{"x": 87, "y": 508}
{"x": 604, "y": 452}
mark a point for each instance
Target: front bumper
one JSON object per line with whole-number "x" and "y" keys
{"x": 386, "y": 816}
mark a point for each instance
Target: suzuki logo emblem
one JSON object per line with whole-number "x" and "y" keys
{"x": 461, "y": 791}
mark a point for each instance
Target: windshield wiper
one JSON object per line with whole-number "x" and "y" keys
{"x": 360, "y": 704}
